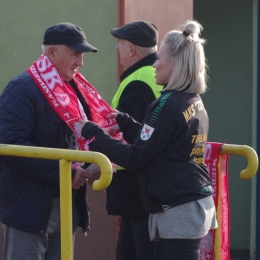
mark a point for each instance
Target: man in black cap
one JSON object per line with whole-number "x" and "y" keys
{"x": 36, "y": 108}
{"x": 137, "y": 44}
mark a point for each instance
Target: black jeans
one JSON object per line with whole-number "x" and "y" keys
{"x": 178, "y": 249}
{"x": 134, "y": 241}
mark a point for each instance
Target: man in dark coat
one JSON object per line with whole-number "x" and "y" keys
{"x": 29, "y": 188}
{"x": 137, "y": 44}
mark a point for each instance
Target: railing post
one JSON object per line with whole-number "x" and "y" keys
{"x": 66, "y": 210}
{"x": 65, "y": 156}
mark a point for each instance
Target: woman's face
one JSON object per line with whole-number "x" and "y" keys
{"x": 163, "y": 67}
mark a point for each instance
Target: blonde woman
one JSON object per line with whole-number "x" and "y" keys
{"x": 168, "y": 150}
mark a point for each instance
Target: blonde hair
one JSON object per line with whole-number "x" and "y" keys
{"x": 185, "y": 50}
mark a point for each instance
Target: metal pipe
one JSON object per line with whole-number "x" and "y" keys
{"x": 65, "y": 157}
{"x": 70, "y": 155}
{"x": 248, "y": 152}
{"x": 66, "y": 210}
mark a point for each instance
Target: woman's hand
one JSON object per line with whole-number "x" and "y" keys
{"x": 82, "y": 123}
{"x": 113, "y": 114}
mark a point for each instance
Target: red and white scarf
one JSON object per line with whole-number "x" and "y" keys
{"x": 65, "y": 103}
{"x": 215, "y": 245}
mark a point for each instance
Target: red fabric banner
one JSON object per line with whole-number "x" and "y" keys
{"x": 215, "y": 246}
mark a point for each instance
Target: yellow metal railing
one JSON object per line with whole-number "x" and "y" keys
{"x": 248, "y": 173}
{"x": 65, "y": 157}
{"x": 248, "y": 152}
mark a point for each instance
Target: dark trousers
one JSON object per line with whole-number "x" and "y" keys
{"x": 133, "y": 241}
{"x": 179, "y": 249}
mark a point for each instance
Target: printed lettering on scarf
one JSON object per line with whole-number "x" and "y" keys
{"x": 65, "y": 103}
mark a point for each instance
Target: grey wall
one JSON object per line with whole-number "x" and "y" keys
{"x": 22, "y": 27}
{"x": 228, "y": 30}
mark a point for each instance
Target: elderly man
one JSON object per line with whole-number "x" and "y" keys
{"x": 39, "y": 108}
{"x": 137, "y": 44}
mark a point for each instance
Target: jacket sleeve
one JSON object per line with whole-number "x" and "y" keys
{"x": 18, "y": 118}
{"x": 128, "y": 126}
{"x": 145, "y": 148}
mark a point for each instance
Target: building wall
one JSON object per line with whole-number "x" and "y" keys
{"x": 167, "y": 16}
{"x": 23, "y": 24}
{"x": 228, "y": 28}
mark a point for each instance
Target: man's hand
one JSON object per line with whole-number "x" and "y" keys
{"x": 80, "y": 178}
{"x": 93, "y": 178}
{"x": 113, "y": 114}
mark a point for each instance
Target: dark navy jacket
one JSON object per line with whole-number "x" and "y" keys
{"x": 27, "y": 185}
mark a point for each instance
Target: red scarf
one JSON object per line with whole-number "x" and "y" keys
{"x": 65, "y": 103}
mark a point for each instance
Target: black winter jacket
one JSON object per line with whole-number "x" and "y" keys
{"x": 167, "y": 150}
{"x": 28, "y": 185}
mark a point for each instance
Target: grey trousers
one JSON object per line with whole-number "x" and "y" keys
{"x": 20, "y": 245}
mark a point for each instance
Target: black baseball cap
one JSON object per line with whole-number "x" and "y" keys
{"x": 140, "y": 33}
{"x": 68, "y": 34}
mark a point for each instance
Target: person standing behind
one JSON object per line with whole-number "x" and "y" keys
{"x": 137, "y": 44}
{"x": 29, "y": 193}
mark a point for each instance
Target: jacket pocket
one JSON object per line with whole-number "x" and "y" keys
{"x": 11, "y": 185}
{"x": 48, "y": 127}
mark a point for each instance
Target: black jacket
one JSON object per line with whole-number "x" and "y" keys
{"x": 137, "y": 95}
{"x": 167, "y": 152}
{"x": 123, "y": 194}
{"x": 28, "y": 185}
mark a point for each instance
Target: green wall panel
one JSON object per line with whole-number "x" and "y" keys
{"x": 23, "y": 24}
{"x": 228, "y": 30}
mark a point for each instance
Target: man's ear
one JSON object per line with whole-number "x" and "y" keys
{"x": 132, "y": 50}
{"x": 51, "y": 52}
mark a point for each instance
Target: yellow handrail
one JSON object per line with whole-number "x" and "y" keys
{"x": 248, "y": 152}
{"x": 69, "y": 155}
{"x": 65, "y": 156}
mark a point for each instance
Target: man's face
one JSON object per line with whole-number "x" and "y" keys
{"x": 124, "y": 50}
{"x": 66, "y": 61}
